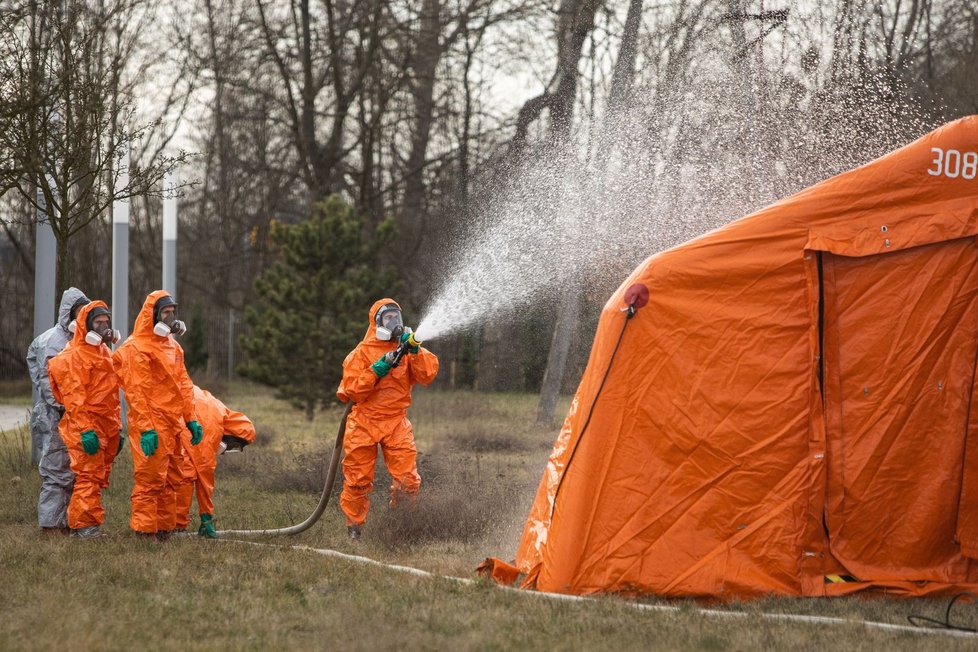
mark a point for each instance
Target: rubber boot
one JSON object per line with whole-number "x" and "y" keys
{"x": 207, "y": 529}
{"x": 89, "y": 532}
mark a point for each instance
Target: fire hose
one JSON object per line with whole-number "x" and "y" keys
{"x": 334, "y": 462}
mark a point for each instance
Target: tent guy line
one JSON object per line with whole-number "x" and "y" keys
{"x": 708, "y": 613}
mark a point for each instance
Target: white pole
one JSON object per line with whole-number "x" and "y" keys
{"x": 120, "y": 247}
{"x": 170, "y": 233}
{"x": 45, "y": 265}
{"x": 120, "y": 260}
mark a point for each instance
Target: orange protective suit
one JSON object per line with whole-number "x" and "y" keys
{"x": 84, "y": 381}
{"x": 379, "y": 416}
{"x": 160, "y": 397}
{"x": 218, "y": 420}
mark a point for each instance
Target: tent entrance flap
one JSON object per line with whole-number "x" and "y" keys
{"x": 900, "y": 344}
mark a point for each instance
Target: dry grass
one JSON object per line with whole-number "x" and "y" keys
{"x": 15, "y": 451}
{"x": 480, "y": 460}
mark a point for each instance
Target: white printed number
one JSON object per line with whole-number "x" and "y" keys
{"x": 953, "y": 164}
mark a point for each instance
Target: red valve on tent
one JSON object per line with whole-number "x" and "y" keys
{"x": 636, "y": 296}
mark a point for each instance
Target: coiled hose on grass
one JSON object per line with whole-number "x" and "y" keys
{"x": 334, "y": 461}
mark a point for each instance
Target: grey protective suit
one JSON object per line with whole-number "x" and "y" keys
{"x": 54, "y": 467}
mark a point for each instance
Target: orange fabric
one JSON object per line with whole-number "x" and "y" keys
{"x": 379, "y": 417}
{"x": 217, "y": 420}
{"x": 793, "y": 402}
{"x": 84, "y": 381}
{"x": 159, "y": 395}
{"x": 499, "y": 571}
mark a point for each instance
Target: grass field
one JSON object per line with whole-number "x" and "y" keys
{"x": 481, "y": 457}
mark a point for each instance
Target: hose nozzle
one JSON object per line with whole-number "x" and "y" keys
{"x": 412, "y": 341}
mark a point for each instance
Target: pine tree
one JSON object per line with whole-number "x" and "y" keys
{"x": 195, "y": 354}
{"x": 311, "y": 304}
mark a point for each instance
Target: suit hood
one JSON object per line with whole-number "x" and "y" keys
{"x": 68, "y": 299}
{"x": 81, "y": 321}
{"x": 370, "y": 336}
{"x": 144, "y": 320}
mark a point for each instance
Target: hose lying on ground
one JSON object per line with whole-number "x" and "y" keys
{"x": 334, "y": 461}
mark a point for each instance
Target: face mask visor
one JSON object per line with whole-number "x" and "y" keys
{"x": 389, "y": 323}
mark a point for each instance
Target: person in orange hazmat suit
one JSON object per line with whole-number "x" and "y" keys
{"x": 224, "y": 429}
{"x": 381, "y": 393}
{"x": 83, "y": 380}
{"x": 160, "y": 398}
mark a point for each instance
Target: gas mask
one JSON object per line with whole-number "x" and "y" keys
{"x": 99, "y": 334}
{"x": 172, "y": 326}
{"x": 106, "y": 336}
{"x": 72, "y": 326}
{"x": 389, "y": 324}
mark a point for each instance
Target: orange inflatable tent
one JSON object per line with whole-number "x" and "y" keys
{"x": 793, "y": 411}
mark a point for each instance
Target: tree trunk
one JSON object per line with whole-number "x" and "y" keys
{"x": 425, "y": 63}
{"x": 576, "y": 23}
{"x": 565, "y": 330}
{"x": 63, "y": 272}
{"x": 621, "y": 79}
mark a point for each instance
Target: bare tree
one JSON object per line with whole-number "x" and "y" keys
{"x": 572, "y": 33}
{"x": 442, "y": 26}
{"x": 323, "y": 59}
{"x": 575, "y": 20}
{"x": 66, "y": 115}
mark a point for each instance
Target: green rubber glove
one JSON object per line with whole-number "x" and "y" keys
{"x": 207, "y": 528}
{"x": 89, "y": 442}
{"x": 405, "y": 337}
{"x": 148, "y": 441}
{"x": 381, "y": 368}
{"x": 196, "y": 432}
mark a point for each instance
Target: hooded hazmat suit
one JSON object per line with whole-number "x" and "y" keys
{"x": 84, "y": 381}
{"x": 218, "y": 420}
{"x": 160, "y": 398}
{"x": 54, "y": 466}
{"x": 379, "y": 416}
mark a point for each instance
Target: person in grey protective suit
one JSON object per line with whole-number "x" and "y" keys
{"x": 54, "y": 466}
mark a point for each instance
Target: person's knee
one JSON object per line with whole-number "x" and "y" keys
{"x": 407, "y": 482}
{"x": 358, "y": 466}
{"x": 359, "y": 488}
{"x": 151, "y": 486}
{"x": 402, "y": 462}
